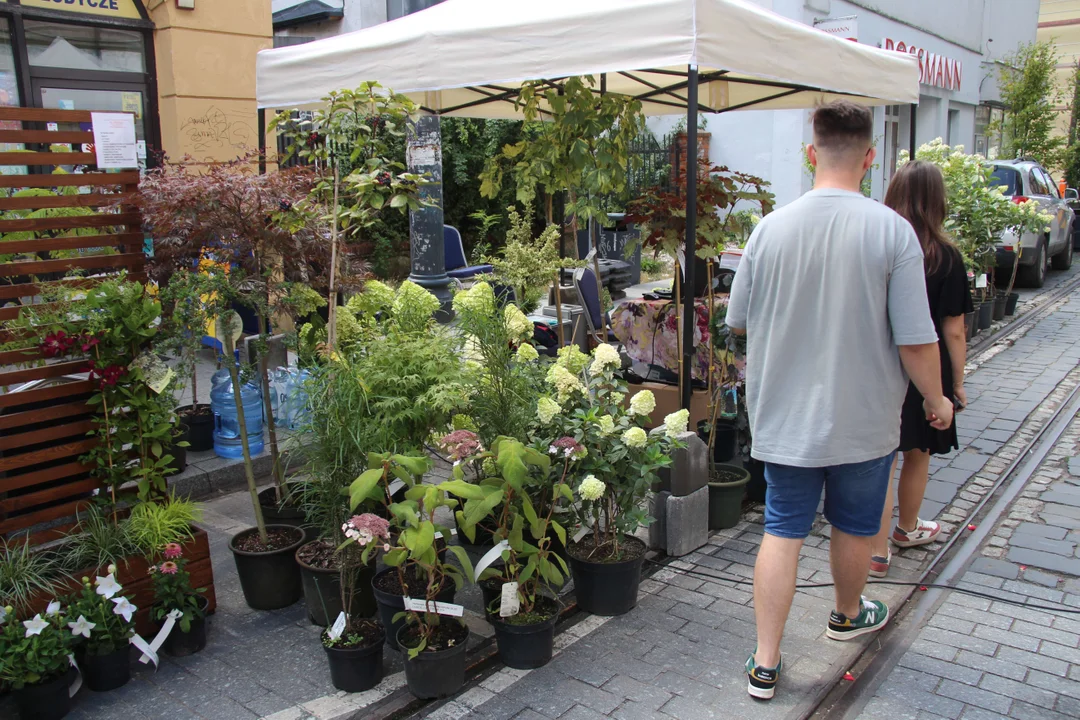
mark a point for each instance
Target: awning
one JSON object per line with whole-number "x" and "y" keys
{"x": 469, "y": 57}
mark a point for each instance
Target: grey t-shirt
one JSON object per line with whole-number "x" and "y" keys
{"x": 828, "y": 286}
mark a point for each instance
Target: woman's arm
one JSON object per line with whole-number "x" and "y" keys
{"x": 956, "y": 342}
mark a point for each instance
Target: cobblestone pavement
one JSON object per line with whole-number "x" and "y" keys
{"x": 680, "y": 653}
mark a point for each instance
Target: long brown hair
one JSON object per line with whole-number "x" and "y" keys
{"x": 917, "y": 193}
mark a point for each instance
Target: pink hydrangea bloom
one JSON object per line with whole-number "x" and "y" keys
{"x": 366, "y": 527}
{"x": 460, "y": 444}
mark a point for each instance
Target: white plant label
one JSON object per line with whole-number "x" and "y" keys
{"x": 980, "y": 281}
{"x": 509, "y": 605}
{"x": 439, "y": 608}
{"x": 490, "y": 556}
{"x": 439, "y": 535}
{"x": 159, "y": 639}
{"x": 581, "y": 533}
{"x": 396, "y": 485}
{"x": 147, "y": 652}
{"x": 75, "y": 686}
{"x": 338, "y": 627}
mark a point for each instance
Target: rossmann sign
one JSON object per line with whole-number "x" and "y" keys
{"x": 937, "y": 70}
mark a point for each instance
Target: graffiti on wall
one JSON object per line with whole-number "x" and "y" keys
{"x": 216, "y": 130}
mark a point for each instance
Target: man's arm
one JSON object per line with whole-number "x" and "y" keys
{"x": 923, "y": 365}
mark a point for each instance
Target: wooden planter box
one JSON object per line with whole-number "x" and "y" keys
{"x": 134, "y": 575}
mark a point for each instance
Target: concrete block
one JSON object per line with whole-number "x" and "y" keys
{"x": 687, "y": 522}
{"x": 689, "y": 470}
{"x": 658, "y": 528}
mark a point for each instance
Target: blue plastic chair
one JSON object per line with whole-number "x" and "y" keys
{"x": 454, "y": 254}
{"x": 585, "y": 284}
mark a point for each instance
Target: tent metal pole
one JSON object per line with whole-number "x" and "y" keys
{"x": 689, "y": 314}
{"x": 262, "y": 140}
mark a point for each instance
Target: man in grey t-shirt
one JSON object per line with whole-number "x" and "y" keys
{"x": 832, "y": 297}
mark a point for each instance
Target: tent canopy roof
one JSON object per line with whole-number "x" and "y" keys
{"x": 469, "y": 57}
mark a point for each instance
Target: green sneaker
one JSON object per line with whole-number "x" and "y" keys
{"x": 872, "y": 617}
{"x": 762, "y": 681}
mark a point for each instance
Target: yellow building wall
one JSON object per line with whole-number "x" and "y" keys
{"x": 206, "y": 76}
{"x": 1059, "y": 24}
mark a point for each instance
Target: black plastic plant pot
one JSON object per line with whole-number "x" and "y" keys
{"x": 986, "y": 315}
{"x": 279, "y": 514}
{"x": 490, "y": 590}
{"x": 356, "y": 669}
{"x": 200, "y": 427}
{"x": 524, "y": 647}
{"x": 755, "y": 489}
{"x": 607, "y": 588}
{"x": 434, "y": 674}
{"x": 182, "y": 644}
{"x": 999, "y": 306}
{"x": 322, "y": 592}
{"x": 179, "y": 454}
{"x": 390, "y": 605}
{"x": 725, "y": 498}
{"x": 1010, "y": 303}
{"x": 726, "y": 439}
{"x": 102, "y": 673}
{"x": 270, "y": 580}
{"x": 969, "y": 324}
{"x": 47, "y": 701}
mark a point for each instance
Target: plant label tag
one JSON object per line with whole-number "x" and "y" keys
{"x": 439, "y": 608}
{"x": 338, "y": 627}
{"x": 439, "y": 535}
{"x": 509, "y": 605}
{"x": 396, "y": 485}
{"x": 490, "y": 556}
{"x": 980, "y": 281}
{"x": 581, "y": 533}
{"x": 77, "y": 684}
{"x": 156, "y": 374}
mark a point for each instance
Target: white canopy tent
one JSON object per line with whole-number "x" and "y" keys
{"x": 470, "y": 57}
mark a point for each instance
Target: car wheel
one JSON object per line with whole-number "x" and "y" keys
{"x": 1034, "y": 275}
{"x": 1063, "y": 260}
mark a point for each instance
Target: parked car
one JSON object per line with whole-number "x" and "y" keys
{"x": 1072, "y": 199}
{"x": 1024, "y": 180}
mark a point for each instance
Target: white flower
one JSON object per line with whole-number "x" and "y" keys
{"x": 54, "y": 608}
{"x": 112, "y": 569}
{"x": 517, "y": 325}
{"x": 606, "y": 423}
{"x": 107, "y": 586}
{"x": 3, "y": 615}
{"x": 591, "y": 488}
{"x": 675, "y": 423}
{"x": 35, "y": 626}
{"x": 565, "y": 382}
{"x": 604, "y": 356}
{"x": 546, "y": 409}
{"x": 526, "y": 353}
{"x": 82, "y": 626}
{"x": 124, "y": 608}
{"x": 635, "y": 437}
{"x": 643, "y": 403}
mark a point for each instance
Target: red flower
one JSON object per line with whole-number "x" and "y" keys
{"x": 88, "y": 342}
{"x": 111, "y": 375}
{"x": 54, "y": 344}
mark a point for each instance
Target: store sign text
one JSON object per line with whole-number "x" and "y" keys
{"x": 110, "y": 8}
{"x": 937, "y": 70}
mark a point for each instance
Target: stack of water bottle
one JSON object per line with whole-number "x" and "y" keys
{"x": 288, "y": 402}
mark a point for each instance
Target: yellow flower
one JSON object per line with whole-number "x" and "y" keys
{"x": 479, "y": 299}
{"x": 571, "y": 358}
{"x": 643, "y": 403}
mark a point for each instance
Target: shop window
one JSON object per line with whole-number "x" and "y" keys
{"x": 9, "y": 86}
{"x": 80, "y": 47}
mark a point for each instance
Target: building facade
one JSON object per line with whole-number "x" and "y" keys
{"x": 186, "y": 68}
{"x": 960, "y": 44}
{"x": 300, "y": 21}
{"x": 1059, "y": 24}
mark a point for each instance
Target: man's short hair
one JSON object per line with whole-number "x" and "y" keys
{"x": 842, "y": 126}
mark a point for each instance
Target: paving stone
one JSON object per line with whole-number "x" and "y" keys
{"x": 1037, "y": 663}
{"x": 1045, "y": 560}
{"x": 647, "y": 695}
{"x": 1004, "y": 637}
{"x": 997, "y": 568}
{"x": 934, "y": 667}
{"x": 975, "y": 696}
{"x": 1025, "y": 711}
{"x": 959, "y": 641}
{"x": 1018, "y": 691}
{"x": 1061, "y": 652}
{"x": 1041, "y": 578}
{"x": 1034, "y": 542}
{"x": 1046, "y": 531}
{"x": 996, "y": 666}
{"x": 953, "y": 475}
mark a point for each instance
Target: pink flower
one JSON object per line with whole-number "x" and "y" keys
{"x": 365, "y": 528}
{"x": 569, "y": 447}
{"x": 460, "y": 444}
{"x": 172, "y": 551}
{"x": 169, "y": 567}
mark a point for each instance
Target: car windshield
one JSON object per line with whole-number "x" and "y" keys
{"x": 1009, "y": 177}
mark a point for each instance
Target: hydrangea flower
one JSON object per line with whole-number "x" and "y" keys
{"x": 365, "y": 528}
{"x": 675, "y": 423}
{"x": 635, "y": 437}
{"x": 571, "y": 358}
{"x": 568, "y": 447}
{"x": 414, "y": 306}
{"x": 606, "y": 423}
{"x": 35, "y": 625}
{"x": 517, "y": 325}
{"x": 479, "y": 299}
{"x": 643, "y": 403}
{"x": 546, "y": 409}
{"x": 460, "y": 444}
{"x": 526, "y": 353}
{"x": 591, "y": 488}
{"x": 604, "y": 356}
{"x": 82, "y": 626}
{"x": 566, "y": 383}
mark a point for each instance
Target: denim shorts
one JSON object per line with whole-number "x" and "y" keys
{"x": 854, "y": 497}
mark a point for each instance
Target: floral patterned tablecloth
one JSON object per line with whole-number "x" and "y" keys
{"x": 647, "y": 329}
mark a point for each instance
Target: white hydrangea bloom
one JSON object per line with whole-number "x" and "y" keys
{"x": 591, "y": 488}
{"x": 635, "y": 437}
{"x": 546, "y": 409}
{"x": 604, "y": 356}
{"x": 643, "y": 403}
{"x": 675, "y": 423}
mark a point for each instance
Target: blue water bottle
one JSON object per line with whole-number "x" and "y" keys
{"x": 227, "y": 442}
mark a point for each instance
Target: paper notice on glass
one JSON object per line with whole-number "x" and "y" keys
{"x": 114, "y": 140}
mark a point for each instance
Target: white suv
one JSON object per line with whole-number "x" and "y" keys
{"x": 1022, "y": 180}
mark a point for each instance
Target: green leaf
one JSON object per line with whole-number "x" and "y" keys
{"x": 362, "y": 486}
{"x": 424, "y": 538}
{"x": 399, "y": 201}
{"x": 415, "y": 465}
{"x": 463, "y": 558}
{"x": 463, "y": 489}
{"x": 560, "y": 531}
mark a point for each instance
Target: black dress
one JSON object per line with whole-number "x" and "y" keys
{"x": 949, "y": 296}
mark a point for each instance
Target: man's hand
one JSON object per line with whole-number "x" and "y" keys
{"x": 939, "y": 412}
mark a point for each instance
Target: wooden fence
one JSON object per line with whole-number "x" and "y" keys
{"x": 75, "y": 232}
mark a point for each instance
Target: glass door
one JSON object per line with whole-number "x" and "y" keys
{"x": 99, "y": 97}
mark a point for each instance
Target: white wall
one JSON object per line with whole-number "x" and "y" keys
{"x": 359, "y": 14}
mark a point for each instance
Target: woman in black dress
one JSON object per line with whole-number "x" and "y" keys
{"x": 917, "y": 192}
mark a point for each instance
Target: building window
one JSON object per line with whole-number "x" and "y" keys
{"x": 9, "y": 85}
{"x": 281, "y": 41}
{"x": 83, "y": 47}
{"x": 982, "y": 126}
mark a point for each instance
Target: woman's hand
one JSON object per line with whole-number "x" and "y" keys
{"x": 961, "y": 396}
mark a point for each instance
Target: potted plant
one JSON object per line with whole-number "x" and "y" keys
{"x": 526, "y": 608}
{"x": 614, "y": 475}
{"x": 106, "y": 626}
{"x": 35, "y": 661}
{"x": 176, "y": 600}
{"x": 354, "y": 646}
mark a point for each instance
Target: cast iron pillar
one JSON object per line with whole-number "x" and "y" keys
{"x": 424, "y": 155}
